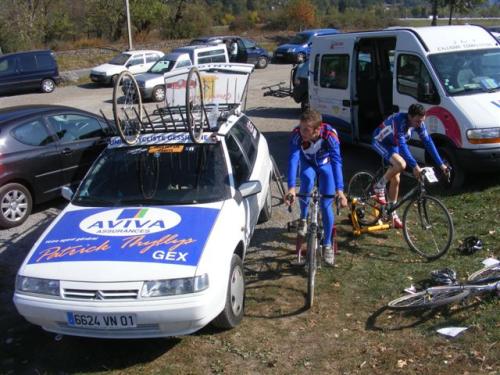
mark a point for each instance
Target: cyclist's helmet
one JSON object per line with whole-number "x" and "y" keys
{"x": 445, "y": 276}
{"x": 470, "y": 245}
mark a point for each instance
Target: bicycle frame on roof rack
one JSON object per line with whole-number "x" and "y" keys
{"x": 225, "y": 88}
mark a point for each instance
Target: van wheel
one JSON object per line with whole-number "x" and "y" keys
{"x": 48, "y": 85}
{"x": 234, "y": 308}
{"x": 262, "y": 62}
{"x": 457, "y": 173}
{"x": 15, "y": 205}
{"x": 158, "y": 94}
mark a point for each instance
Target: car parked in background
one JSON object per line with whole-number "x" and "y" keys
{"x": 42, "y": 148}
{"x": 31, "y": 70}
{"x": 249, "y": 52}
{"x": 299, "y": 47}
{"x": 134, "y": 61}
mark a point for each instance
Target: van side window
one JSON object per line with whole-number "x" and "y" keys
{"x": 44, "y": 61}
{"x": 32, "y": 133}
{"x": 7, "y": 66}
{"x": 316, "y": 70}
{"x": 136, "y": 60}
{"x": 414, "y": 80}
{"x": 184, "y": 63}
{"x": 334, "y": 71}
{"x": 27, "y": 63}
{"x": 216, "y": 55}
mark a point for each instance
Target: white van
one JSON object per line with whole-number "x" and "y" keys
{"x": 151, "y": 83}
{"x": 357, "y": 79}
{"x": 138, "y": 61}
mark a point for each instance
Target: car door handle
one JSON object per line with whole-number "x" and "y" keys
{"x": 66, "y": 151}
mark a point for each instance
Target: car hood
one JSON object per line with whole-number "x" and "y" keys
{"x": 482, "y": 110}
{"x": 110, "y": 244}
{"x": 149, "y": 79}
{"x": 108, "y": 69}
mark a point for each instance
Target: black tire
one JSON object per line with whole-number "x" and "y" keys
{"x": 16, "y": 204}
{"x": 262, "y": 62}
{"x": 267, "y": 211}
{"x": 234, "y": 308}
{"x": 48, "y": 85}
{"x": 360, "y": 187}
{"x": 158, "y": 94}
{"x": 457, "y": 177}
{"x": 486, "y": 275}
{"x": 278, "y": 178}
{"x": 427, "y": 227}
{"x": 429, "y": 298}
{"x": 127, "y": 111}
{"x": 312, "y": 266}
{"x": 195, "y": 111}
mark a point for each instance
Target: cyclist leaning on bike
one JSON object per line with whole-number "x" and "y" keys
{"x": 390, "y": 141}
{"x": 316, "y": 146}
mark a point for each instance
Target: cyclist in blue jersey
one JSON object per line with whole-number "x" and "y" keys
{"x": 316, "y": 146}
{"x": 390, "y": 141}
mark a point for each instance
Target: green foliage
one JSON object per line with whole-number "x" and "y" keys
{"x": 190, "y": 22}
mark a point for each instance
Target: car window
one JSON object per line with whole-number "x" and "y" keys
{"x": 184, "y": 63}
{"x": 136, "y": 60}
{"x": 27, "y": 63}
{"x": 151, "y": 57}
{"x": 300, "y": 39}
{"x": 413, "y": 79}
{"x": 247, "y": 135}
{"x": 72, "y": 127}
{"x": 121, "y": 59}
{"x": 216, "y": 55}
{"x": 241, "y": 168}
{"x": 248, "y": 43}
{"x": 162, "y": 66}
{"x": 334, "y": 71}
{"x": 156, "y": 175}
{"x": 7, "y": 66}
{"x": 45, "y": 61}
{"x": 32, "y": 133}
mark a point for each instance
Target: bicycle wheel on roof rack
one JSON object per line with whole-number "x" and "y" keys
{"x": 127, "y": 108}
{"x": 195, "y": 110}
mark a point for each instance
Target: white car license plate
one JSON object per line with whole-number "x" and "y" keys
{"x": 101, "y": 321}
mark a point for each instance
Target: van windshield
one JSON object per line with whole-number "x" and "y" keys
{"x": 162, "y": 66}
{"x": 300, "y": 39}
{"x": 121, "y": 59}
{"x": 468, "y": 72}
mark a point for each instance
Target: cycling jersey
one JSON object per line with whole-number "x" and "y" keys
{"x": 393, "y": 134}
{"x": 326, "y": 150}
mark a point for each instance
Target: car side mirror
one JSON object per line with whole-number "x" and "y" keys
{"x": 67, "y": 193}
{"x": 249, "y": 188}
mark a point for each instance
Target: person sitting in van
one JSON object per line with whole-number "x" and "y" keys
{"x": 233, "y": 50}
{"x": 390, "y": 141}
{"x": 315, "y": 145}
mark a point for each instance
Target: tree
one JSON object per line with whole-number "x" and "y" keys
{"x": 301, "y": 14}
{"x": 463, "y": 6}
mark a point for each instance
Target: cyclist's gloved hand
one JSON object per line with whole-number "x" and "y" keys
{"x": 342, "y": 198}
{"x": 446, "y": 170}
{"x": 417, "y": 172}
{"x": 290, "y": 197}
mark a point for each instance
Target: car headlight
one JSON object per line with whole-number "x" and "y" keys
{"x": 291, "y": 50}
{"x": 38, "y": 286}
{"x": 173, "y": 287}
{"x": 488, "y": 135}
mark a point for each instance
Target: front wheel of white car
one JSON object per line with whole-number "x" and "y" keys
{"x": 234, "y": 308}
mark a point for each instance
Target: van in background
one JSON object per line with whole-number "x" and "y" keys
{"x": 27, "y": 71}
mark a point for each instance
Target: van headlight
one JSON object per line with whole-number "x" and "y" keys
{"x": 173, "y": 287}
{"x": 480, "y": 136}
{"x": 291, "y": 50}
{"x": 37, "y": 286}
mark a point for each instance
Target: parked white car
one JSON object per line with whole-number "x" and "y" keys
{"x": 134, "y": 61}
{"x": 153, "y": 241}
{"x": 152, "y": 85}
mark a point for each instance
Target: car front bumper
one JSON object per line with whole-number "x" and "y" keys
{"x": 172, "y": 316}
{"x": 479, "y": 160}
{"x": 286, "y": 57}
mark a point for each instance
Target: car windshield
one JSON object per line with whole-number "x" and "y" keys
{"x": 156, "y": 175}
{"x": 121, "y": 59}
{"x": 162, "y": 66}
{"x": 300, "y": 39}
{"x": 468, "y": 72}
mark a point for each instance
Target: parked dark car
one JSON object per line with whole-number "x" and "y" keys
{"x": 28, "y": 71}
{"x": 42, "y": 148}
{"x": 248, "y": 51}
{"x": 299, "y": 47}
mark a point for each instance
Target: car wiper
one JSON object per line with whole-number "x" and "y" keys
{"x": 91, "y": 201}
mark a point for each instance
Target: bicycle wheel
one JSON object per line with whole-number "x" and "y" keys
{"x": 486, "y": 275}
{"x": 195, "y": 110}
{"x": 312, "y": 244}
{"x": 367, "y": 208}
{"x": 127, "y": 108}
{"x": 427, "y": 227}
{"x": 278, "y": 178}
{"x": 429, "y": 298}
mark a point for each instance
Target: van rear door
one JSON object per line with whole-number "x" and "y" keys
{"x": 330, "y": 81}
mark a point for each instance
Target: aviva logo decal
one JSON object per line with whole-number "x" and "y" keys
{"x": 130, "y": 221}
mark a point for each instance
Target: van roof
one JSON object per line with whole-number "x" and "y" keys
{"x": 27, "y": 52}
{"x": 319, "y": 31}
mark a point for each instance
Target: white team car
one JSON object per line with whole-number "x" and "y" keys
{"x": 153, "y": 241}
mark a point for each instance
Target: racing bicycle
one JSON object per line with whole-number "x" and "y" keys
{"x": 484, "y": 281}
{"x": 427, "y": 224}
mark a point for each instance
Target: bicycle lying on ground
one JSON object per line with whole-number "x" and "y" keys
{"x": 427, "y": 224}
{"x": 484, "y": 281}
{"x": 313, "y": 239}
